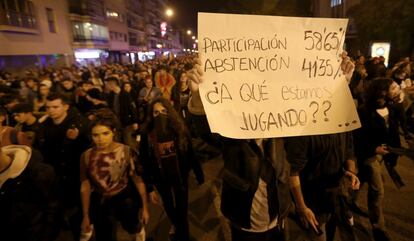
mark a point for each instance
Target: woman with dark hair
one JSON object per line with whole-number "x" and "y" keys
{"x": 112, "y": 187}
{"x": 168, "y": 157}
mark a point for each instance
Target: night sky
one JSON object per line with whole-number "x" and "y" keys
{"x": 185, "y": 11}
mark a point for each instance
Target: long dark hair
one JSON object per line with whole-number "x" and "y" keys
{"x": 178, "y": 124}
{"x": 105, "y": 117}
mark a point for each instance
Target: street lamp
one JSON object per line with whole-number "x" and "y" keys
{"x": 169, "y": 12}
{"x": 189, "y": 32}
{"x": 193, "y": 37}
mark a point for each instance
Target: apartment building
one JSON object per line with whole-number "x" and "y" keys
{"x": 39, "y": 33}
{"x": 89, "y": 31}
{"x": 34, "y": 33}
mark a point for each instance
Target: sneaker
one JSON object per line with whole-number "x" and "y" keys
{"x": 380, "y": 235}
{"x": 86, "y": 236}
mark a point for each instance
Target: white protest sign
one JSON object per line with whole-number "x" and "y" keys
{"x": 267, "y": 76}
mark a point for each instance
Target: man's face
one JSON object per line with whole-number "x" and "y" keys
{"x": 86, "y": 86}
{"x": 56, "y": 109}
{"x": 148, "y": 82}
{"x": 394, "y": 92}
{"x": 127, "y": 88}
{"x": 30, "y": 83}
{"x": 44, "y": 90}
{"x": 21, "y": 117}
{"x": 111, "y": 85}
{"x": 143, "y": 75}
{"x": 67, "y": 84}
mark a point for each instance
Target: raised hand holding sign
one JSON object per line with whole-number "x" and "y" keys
{"x": 267, "y": 76}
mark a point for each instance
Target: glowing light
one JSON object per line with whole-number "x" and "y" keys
{"x": 112, "y": 14}
{"x": 381, "y": 49}
{"x": 169, "y": 12}
{"x": 163, "y": 28}
{"x": 189, "y": 32}
{"x": 91, "y": 54}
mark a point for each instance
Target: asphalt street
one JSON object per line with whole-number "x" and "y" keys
{"x": 207, "y": 223}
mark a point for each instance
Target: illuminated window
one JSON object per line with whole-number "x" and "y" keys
{"x": 17, "y": 13}
{"x": 51, "y": 20}
{"x": 335, "y": 3}
{"x": 89, "y": 31}
{"x": 114, "y": 15}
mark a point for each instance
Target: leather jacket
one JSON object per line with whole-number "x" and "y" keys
{"x": 242, "y": 162}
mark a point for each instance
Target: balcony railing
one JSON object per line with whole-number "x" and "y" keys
{"x": 81, "y": 38}
{"x": 16, "y": 19}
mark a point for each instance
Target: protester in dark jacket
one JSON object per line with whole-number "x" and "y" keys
{"x": 62, "y": 140}
{"x": 255, "y": 195}
{"x": 168, "y": 157}
{"x": 380, "y": 129}
{"x": 28, "y": 205}
{"x": 128, "y": 114}
{"x": 112, "y": 96}
{"x": 319, "y": 165}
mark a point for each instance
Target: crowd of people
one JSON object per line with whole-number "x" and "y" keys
{"x": 84, "y": 147}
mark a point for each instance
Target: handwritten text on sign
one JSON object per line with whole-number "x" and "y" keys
{"x": 271, "y": 76}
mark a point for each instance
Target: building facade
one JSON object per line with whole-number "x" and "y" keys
{"x": 136, "y": 28}
{"x": 40, "y": 33}
{"x": 34, "y": 33}
{"x": 89, "y": 30}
